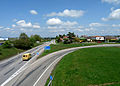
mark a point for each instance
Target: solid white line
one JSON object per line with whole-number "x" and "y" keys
{"x": 62, "y": 56}
{"x": 45, "y": 71}
{"x": 17, "y": 72}
{"x": 49, "y": 67}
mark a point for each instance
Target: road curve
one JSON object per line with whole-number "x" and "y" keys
{"x": 38, "y": 72}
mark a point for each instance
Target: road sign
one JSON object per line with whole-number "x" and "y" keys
{"x": 37, "y": 53}
{"x": 51, "y": 78}
{"x": 47, "y": 47}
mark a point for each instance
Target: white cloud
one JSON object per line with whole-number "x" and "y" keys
{"x": 68, "y": 13}
{"x": 7, "y": 28}
{"x": 13, "y": 25}
{"x": 54, "y": 21}
{"x": 26, "y": 25}
{"x": 112, "y": 1}
{"x": 115, "y": 25}
{"x": 52, "y": 27}
{"x": 112, "y": 8}
{"x": 1, "y": 27}
{"x": 22, "y": 29}
{"x": 104, "y": 19}
{"x": 33, "y": 12}
{"x": 68, "y": 23}
{"x": 89, "y": 29}
{"x": 61, "y": 30}
{"x": 114, "y": 15}
{"x": 36, "y": 26}
{"x": 80, "y": 30}
{"x": 58, "y": 22}
{"x": 22, "y": 23}
{"x": 80, "y": 27}
{"x": 14, "y": 20}
{"x": 96, "y": 25}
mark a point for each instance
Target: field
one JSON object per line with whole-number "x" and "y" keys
{"x": 89, "y": 67}
{"x": 60, "y": 46}
{"x": 8, "y": 52}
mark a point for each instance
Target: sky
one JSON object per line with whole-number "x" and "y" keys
{"x": 49, "y": 18}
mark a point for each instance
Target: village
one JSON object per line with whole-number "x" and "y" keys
{"x": 72, "y": 38}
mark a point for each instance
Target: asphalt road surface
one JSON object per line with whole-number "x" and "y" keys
{"x": 30, "y": 78}
{"x": 38, "y": 72}
{"x": 10, "y": 66}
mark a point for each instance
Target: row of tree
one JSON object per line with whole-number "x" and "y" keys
{"x": 23, "y": 42}
{"x": 66, "y": 39}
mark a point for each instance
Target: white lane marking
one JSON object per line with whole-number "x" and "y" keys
{"x": 65, "y": 54}
{"x": 49, "y": 67}
{"x": 20, "y": 70}
{"x": 16, "y": 73}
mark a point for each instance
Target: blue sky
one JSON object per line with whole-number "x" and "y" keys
{"x": 49, "y": 18}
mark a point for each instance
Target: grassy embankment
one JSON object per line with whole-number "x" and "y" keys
{"x": 60, "y": 46}
{"x": 8, "y": 52}
{"x": 89, "y": 67}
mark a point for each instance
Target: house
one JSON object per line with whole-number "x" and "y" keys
{"x": 3, "y": 39}
{"x": 65, "y": 37}
{"x": 97, "y": 38}
{"x": 111, "y": 38}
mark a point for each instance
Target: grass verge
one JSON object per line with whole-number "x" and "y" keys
{"x": 60, "y": 46}
{"x": 89, "y": 67}
{"x": 8, "y": 52}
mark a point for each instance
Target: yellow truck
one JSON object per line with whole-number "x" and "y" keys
{"x": 26, "y": 56}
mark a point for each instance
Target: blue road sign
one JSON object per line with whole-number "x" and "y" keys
{"x": 51, "y": 77}
{"x": 47, "y": 47}
{"x": 37, "y": 53}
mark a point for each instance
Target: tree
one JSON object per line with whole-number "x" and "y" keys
{"x": 23, "y": 36}
{"x": 66, "y": 41}
{"x": 71, "y": 36}
{"x": 0, "y": 51}
{"x": 7, "y": 44}
{"x": 23, "y": 42}
{"x": 77, "y": 39}
{"x": 37, "y": 37}
{"x": 32, "y": 39}
{"x": 57, "y": 39}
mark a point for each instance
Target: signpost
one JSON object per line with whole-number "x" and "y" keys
{"x": 51, "y": 78}
{"x": 47, "y": 47}
{"x": 50, "y": 83}
{"x": 37, "y": 53}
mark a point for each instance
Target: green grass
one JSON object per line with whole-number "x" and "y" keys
{"x": 60, "y": 46}
{"x": 37, "y": 44}
{"x": 89, "y": 67}
{"x": 8, "y": 52}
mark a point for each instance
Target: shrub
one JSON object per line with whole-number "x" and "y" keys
{"x": 7, "y": 44}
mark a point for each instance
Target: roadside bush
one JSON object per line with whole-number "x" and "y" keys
{"x": 0, "y": 51}
{"x": 23, "y": 44}
{"x": 67, "y": 41}
{"x": 7, "y": 44}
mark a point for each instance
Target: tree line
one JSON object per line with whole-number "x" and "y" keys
{"x": 23, "y": 42}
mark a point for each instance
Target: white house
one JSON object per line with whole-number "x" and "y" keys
{"x": 100, "y": 38}
{"x": 3, "y": 39}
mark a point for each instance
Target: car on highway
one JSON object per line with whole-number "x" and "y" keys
{"x": 26, "y": 56}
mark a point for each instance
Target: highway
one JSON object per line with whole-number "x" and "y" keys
{"x": 11, "y": 65}
{"x": 38, "y": 72}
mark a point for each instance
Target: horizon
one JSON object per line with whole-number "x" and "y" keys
{"x": 51, "y": 18}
